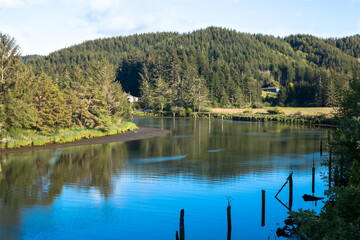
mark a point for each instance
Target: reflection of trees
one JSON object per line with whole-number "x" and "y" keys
{"x": 37, "y": 178}
{"x": 40, "y": 177}
{"x": 247, "y": 148}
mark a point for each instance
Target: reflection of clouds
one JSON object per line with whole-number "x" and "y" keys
{"x": 159, "y": 159}
{"x": 96, "y": 196}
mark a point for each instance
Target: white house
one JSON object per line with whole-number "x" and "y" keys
{"x": 131, "y": 98}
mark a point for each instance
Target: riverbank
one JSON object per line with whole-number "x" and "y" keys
{"x": 18, "y": 138}
{"x": 272, "y": 115}
{"x": 305, "y": 111}
{"x": 138, "y": 134}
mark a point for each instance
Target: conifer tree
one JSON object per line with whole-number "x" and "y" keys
{"x": 49, "y": 104}
{"x": 9, "y": 56}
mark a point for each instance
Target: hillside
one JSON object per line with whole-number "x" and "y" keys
{"x": 217, "y": 67}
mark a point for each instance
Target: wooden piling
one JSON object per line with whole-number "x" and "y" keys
{"x": 177, "y": 235}
{"x": 330, "y": 155}
{"x": 287, "y": 180}
{"x": 182, "y": 228}
{"x": 321, "y": 148}
{"x": 313, "y": 178}
{"x": 290, "y": 191}
{"x": 263, "y": 208}
{"x": 228, "y": 209}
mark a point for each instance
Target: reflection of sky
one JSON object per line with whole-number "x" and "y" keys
{"x": 138, "y": 209}
{"x": 152, "y": 187}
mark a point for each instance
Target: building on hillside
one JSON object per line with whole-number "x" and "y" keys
{"x": 271, "y": 89}
{"x": 131, "y": 98}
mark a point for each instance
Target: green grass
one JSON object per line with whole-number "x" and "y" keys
{"x": 22, "y": 138}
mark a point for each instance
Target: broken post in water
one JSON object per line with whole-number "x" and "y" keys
{"x": 182, "y": 228}
{"x": 290, "y": 191}
{"x": 321, "y": 148}
{"x": 177, "y": 235}
{"x": 228, "y": 209}
{"x": 262, "y": 208}
{"x": 290, "y": 180}
{"x": 313, "y": 177}
{"x": 287, "y": 180}
{"x": 330, "y": 167}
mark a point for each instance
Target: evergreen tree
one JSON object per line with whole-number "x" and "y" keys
{"x": 9, "y": 56}
{"x": 49, "y": 104}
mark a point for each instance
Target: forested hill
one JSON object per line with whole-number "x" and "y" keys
{"x": 217, "y": 67}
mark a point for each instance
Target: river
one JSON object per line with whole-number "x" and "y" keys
{"x": 135, "y": 190}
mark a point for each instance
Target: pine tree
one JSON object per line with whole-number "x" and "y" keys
{"x": 146, "y": 90}
{"x": 49, "y": 104}
{"x": 9, "y": 56}
{"x": 19, "y": 107}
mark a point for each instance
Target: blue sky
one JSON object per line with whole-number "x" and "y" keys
{"x": 43, "y": 26}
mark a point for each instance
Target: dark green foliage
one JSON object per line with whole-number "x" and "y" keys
{"x": 340, "y": 218}
{"x": 40, "y": 98}
{"x": 275, "y": 111}
{"x": 232, "y": 66}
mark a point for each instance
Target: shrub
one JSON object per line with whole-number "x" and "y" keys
{"x": 248, "y": 111}
{"x": 275, "y": 111}
{"x": 257, "y": 105}
{"x": 188, "y": 112}
{"x": 179, "y": 110}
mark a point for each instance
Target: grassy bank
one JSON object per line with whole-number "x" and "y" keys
{"x": 305, "y": 111}
{"x": 324, "y": 116}
{"x": 22, "y": 138}
{"x": 280, "y": 114}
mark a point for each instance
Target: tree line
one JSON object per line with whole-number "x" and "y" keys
{"x": 221, "y": 67}
{"x": 31, "y": 98}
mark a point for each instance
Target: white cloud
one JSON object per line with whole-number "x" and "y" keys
{"x": 11, "y": 3}
{"x": 19, "y": 3}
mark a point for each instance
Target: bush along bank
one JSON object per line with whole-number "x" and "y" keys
{"x": 322, "y": 119}
{"x": 17, "y": 138}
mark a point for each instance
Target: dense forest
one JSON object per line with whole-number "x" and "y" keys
{"x": 217, "y": 67}
{"x": 205, "y": 68}
{"x": 33, "y": 99}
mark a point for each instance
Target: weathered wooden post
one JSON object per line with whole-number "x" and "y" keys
{"x": 330, "y": 167}
{"x": 290, "y": 191}
{"x": 321, "y": 148}
{"x": 263, "y": 208}
{"x": 229, "y": 221}
{"x": 182, "y": 228}
{"x": 177, "y": 235}
{"x": 313, "y": 177}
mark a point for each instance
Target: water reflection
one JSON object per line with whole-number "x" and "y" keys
{"x": 193, "y": 167}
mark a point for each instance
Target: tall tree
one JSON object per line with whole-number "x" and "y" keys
{"x": 9, "y": 56}
{"x": 49, "y": 104}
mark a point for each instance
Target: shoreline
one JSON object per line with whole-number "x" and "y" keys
{"x": 138, "y": 134}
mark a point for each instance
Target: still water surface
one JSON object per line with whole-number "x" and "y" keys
{"x": 135, "y": 190}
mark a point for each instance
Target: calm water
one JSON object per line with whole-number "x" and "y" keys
{"x": 135, "y": 190}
